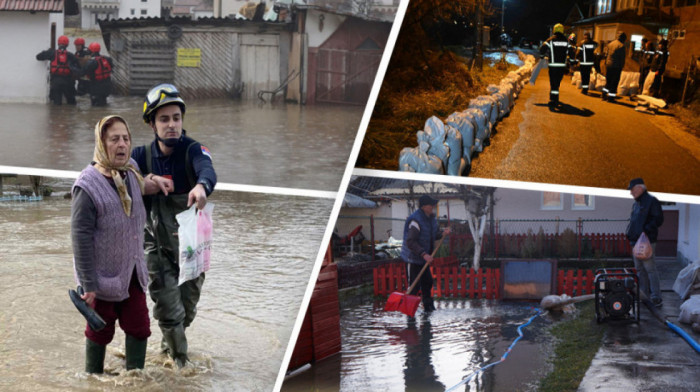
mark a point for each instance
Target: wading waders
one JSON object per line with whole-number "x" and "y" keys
{"x": 174, "y": 306}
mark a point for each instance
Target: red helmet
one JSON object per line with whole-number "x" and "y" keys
{"x": 94, "y": 47}
{"x": 63, "y": 40}
{"x": 79, "y": 41}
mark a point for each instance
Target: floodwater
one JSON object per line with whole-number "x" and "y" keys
{"x": 385, "y": 351}
{"x": 284, "y": 145}
{"x": 263, "y": 252}
{"x": 510, "y": 57}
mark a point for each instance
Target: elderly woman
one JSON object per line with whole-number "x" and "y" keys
{"x": 107, "y": 224}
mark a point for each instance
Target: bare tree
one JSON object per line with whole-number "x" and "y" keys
{"x": 478, "y": 203}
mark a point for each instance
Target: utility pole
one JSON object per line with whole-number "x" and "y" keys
{"x": 503, "y": 13}
{"x": 479, "y": 55}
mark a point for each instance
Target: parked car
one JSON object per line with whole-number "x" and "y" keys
{"x": 526, "y": 42}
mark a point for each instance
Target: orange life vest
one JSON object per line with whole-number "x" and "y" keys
{"x": 59, "y": 64}
{"x": 104, "y": 70}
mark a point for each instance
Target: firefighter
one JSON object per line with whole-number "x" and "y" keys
{"x": 572, "y": 60}
{"x": 586, "y": 55}
{"x": 82, "y": 55}
{"x": 652, "y": 84}
{"x": 556, "y": 48}
{"x": 614, "y": 63}
{"x": 63, "y": 65}
{"x": 99, "y": 70}
{"x": 648, "y": 53}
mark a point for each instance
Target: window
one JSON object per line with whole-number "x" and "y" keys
{"x": 667, "y": 3}
{"x": 637, "y": 41}
{"x": 663, "y": 32}
{"x": 144, "y": 1}
{"x": 133, "y": 11}
{"x": 144, "y": 12}
{"x": 552, "y": 201}
{"x": 603, "y": 7}
{"x": 582, "y": 202}
{"x": 678, "y": 34}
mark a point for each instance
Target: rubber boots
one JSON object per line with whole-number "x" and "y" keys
{"x": 94, "y": 357}
{"x": 135, "y": 352}
{"x": 428, "y": 304}
{"x": 177, "y": 343}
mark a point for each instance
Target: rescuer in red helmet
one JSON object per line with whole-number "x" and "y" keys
{"x": 63, "y": 66}
{"x": 99, "y": 70}
{"x": 82, "y": 55}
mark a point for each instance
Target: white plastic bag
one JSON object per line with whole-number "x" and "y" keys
{"x": 642, "y": 248}
{"x": 195, "y": 235}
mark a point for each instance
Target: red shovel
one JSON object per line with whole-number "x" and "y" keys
{"x": 404, "y": 303}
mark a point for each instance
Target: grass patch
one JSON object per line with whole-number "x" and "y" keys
{"x": 578, "y": 340}
{"x": 689, "y": 116}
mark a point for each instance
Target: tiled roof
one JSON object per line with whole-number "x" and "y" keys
{"x": 32, "y": 5}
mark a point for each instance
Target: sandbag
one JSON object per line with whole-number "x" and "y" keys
{"x": 417, "y": 160}
{"x": 435, "y": 132}
{"x": 465, "y": 125}
{"x": 454, "y": 142}
{"x": 481, "y": 128}
{"x": 690, "y": 310}
{"x": 688, "y": 280}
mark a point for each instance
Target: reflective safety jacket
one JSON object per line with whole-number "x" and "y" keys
{"x": 658, "y": 62}
{"x": 103, "y": 70}
{"x": 586, "y": 52}
{"x": 647, "y": 56}
{"x": 59, "y": 64}
{"x": 557, "y": 48}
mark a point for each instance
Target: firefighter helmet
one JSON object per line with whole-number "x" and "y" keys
{"x": 159, "y": 96}
{"x": 559, "y": 28}
{"x": 63, "y": 40}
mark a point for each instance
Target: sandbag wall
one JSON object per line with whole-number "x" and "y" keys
{"x": 629, "y": 82}
{"x": 447, "y": 147}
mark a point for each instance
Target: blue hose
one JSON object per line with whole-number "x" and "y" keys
{"x": 503, "y": 358}
{"x": 684, "y": 335}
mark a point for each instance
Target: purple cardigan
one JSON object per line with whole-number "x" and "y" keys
{"x": 118, "y": 239}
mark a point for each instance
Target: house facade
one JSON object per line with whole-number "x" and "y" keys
{"x": 27, "y": 28}
{"x": 675, "y": 20}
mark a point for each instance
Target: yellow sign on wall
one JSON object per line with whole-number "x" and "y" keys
{"x": 189, "y": 57}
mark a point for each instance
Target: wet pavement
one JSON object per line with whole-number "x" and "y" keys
{"x": 647, "y": 356}
{"x": 589, "y": 142}
{"x": 387, "y": 351}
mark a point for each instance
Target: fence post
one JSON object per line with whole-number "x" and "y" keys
{"x": 579, "y": 227}
{"x": 498, "y": 235}
{"x": 371, "y": 227}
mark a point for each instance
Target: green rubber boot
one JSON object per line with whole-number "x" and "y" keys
{"x": 94, "y": 357}
{"x": 135, "y": 352}
{"x": 177, "y": 344}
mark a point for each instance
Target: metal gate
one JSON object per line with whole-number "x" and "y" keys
{"x": 346, "y": 76}
{"x": 150, "y": 63}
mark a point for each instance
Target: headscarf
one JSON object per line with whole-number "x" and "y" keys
{"x": 103, "y": 164}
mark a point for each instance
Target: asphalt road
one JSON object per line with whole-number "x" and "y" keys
{"x": 589, "y": 142}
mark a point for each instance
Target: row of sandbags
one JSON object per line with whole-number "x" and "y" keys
{"x": 448, "y": 147}
{"x": 629, "y": 82}
{"x": 687, "y": 286}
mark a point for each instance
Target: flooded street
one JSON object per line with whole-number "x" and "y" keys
{"x": 384, "y": 351}
{"x": 263, "y": 252}
{"x": 284, "y": 145}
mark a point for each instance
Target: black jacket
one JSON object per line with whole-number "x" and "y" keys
{"x": 646, "y": 217}
{"x": 557, "y": 49}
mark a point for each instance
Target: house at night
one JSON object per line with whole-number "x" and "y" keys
{"x": 675, "y": 20}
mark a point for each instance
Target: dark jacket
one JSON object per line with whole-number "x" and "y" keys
{"x": 70, "y": 65}
{"x": 615, "y": 54}
{"x": 646, "y": 217}
{"x": 659, "y": 60}
{"x": 174, "y": 165}
{"x": 419, "y": 241}
{"x": 557, "y": 49}
{"x": 586, "y": 52}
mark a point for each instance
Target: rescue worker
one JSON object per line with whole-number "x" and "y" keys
{"x": 99, "y": 70}
{"x": 82, "y": 55}
{"x": 419, "y": 234}
{"x": 648, "y": 53}
{"x": 188, "y": 163}
{"x": 572, "y": 60}
{"x": 556, "y": 49}
{"x": 652, "y": 84}
{"x": 586, "y": 55}
{"x": 614, "y": 63}
{"x": 63, "y": 65}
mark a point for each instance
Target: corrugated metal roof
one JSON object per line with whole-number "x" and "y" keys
{"x": 32, "y": 5}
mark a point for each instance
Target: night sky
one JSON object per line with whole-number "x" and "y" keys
{"x": 531, "y": 17}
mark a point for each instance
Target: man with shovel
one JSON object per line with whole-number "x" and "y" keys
{"x": 419, "y": 235}
{"x": 188, "y": 164}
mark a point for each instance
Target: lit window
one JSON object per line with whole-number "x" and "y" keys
{"x": 552, "y": 201}
{"x": 582, "y": 202}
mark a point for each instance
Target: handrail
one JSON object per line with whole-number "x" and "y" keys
{"x": 292, "y": 75}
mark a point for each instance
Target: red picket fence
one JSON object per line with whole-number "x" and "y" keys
{"x": 460, "y": 282}
{"x": 574, "y": 283}
{"x": 616, "y": 245}
{"x": 449, "y": 281}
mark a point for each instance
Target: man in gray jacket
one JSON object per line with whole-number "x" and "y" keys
{"x": 614, "y": 63}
